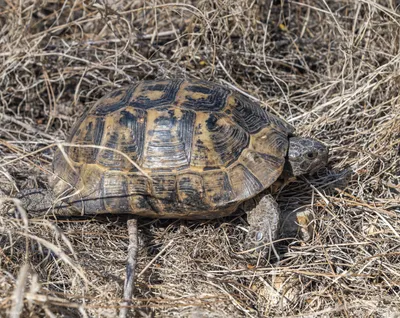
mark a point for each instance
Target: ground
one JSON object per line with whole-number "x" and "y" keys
{"x": 330, "y": 68}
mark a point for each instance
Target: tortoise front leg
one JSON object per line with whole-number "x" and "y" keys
{"x": 130, "y": 267}
{"x": 264, "y": 223}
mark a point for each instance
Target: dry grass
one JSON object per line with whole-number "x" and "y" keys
{"x": 330, "y": 67}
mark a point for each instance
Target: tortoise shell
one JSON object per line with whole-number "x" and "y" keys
{"x": 202, "y": 149}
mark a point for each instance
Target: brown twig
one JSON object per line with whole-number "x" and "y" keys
{"x": 130, "y": 267}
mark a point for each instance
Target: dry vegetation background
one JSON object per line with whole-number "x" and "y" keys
{"x": 331, "y": 68}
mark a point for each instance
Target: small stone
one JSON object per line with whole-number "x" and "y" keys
{"x": 279, "y": 293}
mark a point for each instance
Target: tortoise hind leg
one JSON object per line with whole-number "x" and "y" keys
{"x": 130, "y": 267}
{"x": 264, "y": 224}
{"x": 36, "y": 200}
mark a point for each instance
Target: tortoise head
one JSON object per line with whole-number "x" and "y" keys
{"x": 306, "y": 155}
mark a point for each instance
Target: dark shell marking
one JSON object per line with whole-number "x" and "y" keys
{"x": 206, "y": 149}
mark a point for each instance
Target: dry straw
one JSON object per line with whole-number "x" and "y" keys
{"x": 330, "y": 67}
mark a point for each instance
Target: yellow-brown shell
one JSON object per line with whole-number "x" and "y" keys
{"x": 205, "y": 148}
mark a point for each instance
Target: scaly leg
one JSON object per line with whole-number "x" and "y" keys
{"x": 264, "y": 223}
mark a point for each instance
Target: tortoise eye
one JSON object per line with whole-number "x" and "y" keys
{"x": 311, "y": 155}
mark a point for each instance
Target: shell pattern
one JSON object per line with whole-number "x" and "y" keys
{"x": 205, "y": 148}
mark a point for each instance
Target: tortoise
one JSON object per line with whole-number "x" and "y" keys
{"x": 178, "y": 148}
